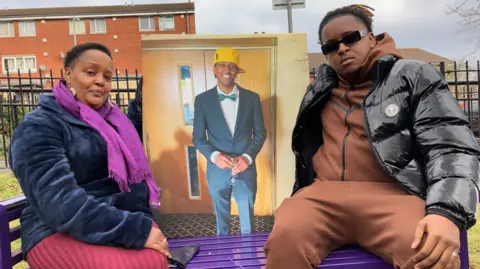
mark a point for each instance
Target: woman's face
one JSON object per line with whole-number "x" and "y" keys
{"x": 91, "y": 77}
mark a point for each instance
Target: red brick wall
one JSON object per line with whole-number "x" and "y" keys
{"x": 59, "y": 40}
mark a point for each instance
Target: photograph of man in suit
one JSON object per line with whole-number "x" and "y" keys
{"x": 229, "y": 130}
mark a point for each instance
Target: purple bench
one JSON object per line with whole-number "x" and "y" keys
{"x": 246, "y": 251}
{"x": 234, "y": 251}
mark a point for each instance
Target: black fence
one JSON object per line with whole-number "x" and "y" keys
{"x": 464, "y": 83}
{"x": 20, "y": 93}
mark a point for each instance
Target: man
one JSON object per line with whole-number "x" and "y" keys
{"x": 228, "y": 130}
{"x": 384, "y": 157}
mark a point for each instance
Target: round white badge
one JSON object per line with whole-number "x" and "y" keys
{"x": 391, "y": 110}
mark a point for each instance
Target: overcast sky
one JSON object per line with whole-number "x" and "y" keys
{"x": 412, "y": 23}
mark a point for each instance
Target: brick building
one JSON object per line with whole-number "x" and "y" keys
{"x": 38, "y": 38}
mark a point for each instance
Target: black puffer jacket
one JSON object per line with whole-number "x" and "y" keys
{"x": 427, "y": 145}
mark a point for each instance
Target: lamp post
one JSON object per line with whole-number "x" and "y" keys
{"x": 289, "y": 14}
{"x": 288, "y": 5}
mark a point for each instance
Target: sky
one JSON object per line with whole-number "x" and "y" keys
{"x": 412, "y": 23}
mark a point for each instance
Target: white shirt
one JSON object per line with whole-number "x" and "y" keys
{"x": 230, "y": 108}
{"x": 230, "y": 111}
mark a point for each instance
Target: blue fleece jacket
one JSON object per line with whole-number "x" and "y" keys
{"x": 61, "y": 165}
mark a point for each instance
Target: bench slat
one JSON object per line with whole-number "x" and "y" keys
{"x": 15, "y": 201}
{"x": 14, "y": 214}
{"x": 15, "y": 233}
{"x": 192, "y": 240}
{"x": 212, "y": 265}
{"x": 214, "y": 241}
{"x": 17, "y": 256}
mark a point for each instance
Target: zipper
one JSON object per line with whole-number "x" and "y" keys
{"x": 344, "y": 143}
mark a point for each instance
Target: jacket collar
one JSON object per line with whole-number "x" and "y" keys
{"x": 326, "y": 76}
{"x": 326, "y": 79}
{"x": 48, "y": 102}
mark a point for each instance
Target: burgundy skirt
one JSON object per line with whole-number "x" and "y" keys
{"x": 61, "y": 251}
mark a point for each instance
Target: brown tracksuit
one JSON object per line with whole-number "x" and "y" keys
{"x": 352, "y": 201}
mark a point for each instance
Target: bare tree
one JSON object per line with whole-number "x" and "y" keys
{"x": 469, "y": 13}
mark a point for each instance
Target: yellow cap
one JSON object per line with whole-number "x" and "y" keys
{"x": 227, "y": 55}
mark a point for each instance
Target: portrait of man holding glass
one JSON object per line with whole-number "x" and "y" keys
{"x": 229, "y": 131}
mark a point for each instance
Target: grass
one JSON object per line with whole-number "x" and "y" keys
{"x": 9, "y": 187}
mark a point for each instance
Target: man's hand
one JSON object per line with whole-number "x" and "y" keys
{"x": 223, "y": 161}
{"x": 242, "y": 163}
{"x": 157, "y": 241}
{"x": 436, "y": 243}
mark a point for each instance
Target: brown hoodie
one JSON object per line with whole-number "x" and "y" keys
{"x": 346, "y": 153}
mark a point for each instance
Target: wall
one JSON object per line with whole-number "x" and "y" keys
{"x": 58, "y": 40}
{"x": 292, "y": 79}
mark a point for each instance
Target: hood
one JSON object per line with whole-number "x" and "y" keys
{"x": 385, "y": 46}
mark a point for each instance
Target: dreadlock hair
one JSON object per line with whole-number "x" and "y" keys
{"x": 362, "y": 12}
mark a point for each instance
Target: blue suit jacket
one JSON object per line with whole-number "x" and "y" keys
{"x": 211, "y": 133}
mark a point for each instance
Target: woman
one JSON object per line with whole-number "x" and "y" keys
{"x": 82, "y": 168}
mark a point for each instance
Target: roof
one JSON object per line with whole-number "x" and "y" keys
{"x": 315, "y": 59}
{"x": 80, "y": 11}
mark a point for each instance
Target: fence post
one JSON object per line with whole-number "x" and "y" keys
{"x": 442, "y": 68}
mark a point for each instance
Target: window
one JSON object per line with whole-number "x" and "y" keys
{"x": 27, "y": 28}
{"x": 77, "y": 28}
{"x": 166, "y": 22}
{"x": 146, "y": 24}
{"x": 186, "y": 89}
{"x": 14, "y": 63}
{"x": 98, "y": 26}
{"x": 193, "y": 181}
{"x": 6, "y": 29}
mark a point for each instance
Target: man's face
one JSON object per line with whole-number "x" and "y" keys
{"x": 226, "y": 73}
{"x": 346, "y": 60}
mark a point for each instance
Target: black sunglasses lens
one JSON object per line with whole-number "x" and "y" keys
{"x": 347, "y": 40}
{"x": 351, "y": 38}
{"x": 330, "y": 47}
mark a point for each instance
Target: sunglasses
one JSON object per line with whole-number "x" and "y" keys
{"x": 347, "y": 40}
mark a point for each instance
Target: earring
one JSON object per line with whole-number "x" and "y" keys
{"x": 72, "y": 90}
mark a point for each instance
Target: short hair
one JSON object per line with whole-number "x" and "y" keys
{"x": 361, "y": 12}
{"x": 74, "y": 53}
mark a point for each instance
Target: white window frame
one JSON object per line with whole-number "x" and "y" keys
{"x": 22, "y": 28}
{"x": 93, "y": 26}
{"x": 14, "y": 57}
{"x": 151, "y": 21}
{"x": 11, "y": 29}
{"x": 162, "y": 24}
{"x": 80, "y": 24}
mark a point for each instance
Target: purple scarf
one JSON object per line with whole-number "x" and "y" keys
{"x": 127, "y": 162}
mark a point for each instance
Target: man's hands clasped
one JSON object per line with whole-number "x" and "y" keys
{"x": 238, "y": 164}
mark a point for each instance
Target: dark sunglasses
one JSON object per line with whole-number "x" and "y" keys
{"x": 347, "y": 40}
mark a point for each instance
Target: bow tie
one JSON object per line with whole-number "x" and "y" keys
{"x": 232, "y": 97}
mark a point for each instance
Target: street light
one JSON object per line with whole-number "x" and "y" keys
{"x": 288, "y": 5}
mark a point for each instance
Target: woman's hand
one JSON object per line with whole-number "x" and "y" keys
{"x": 157, "y": 241}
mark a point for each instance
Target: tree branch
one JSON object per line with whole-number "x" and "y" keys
{"x": 469, "y": 13}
